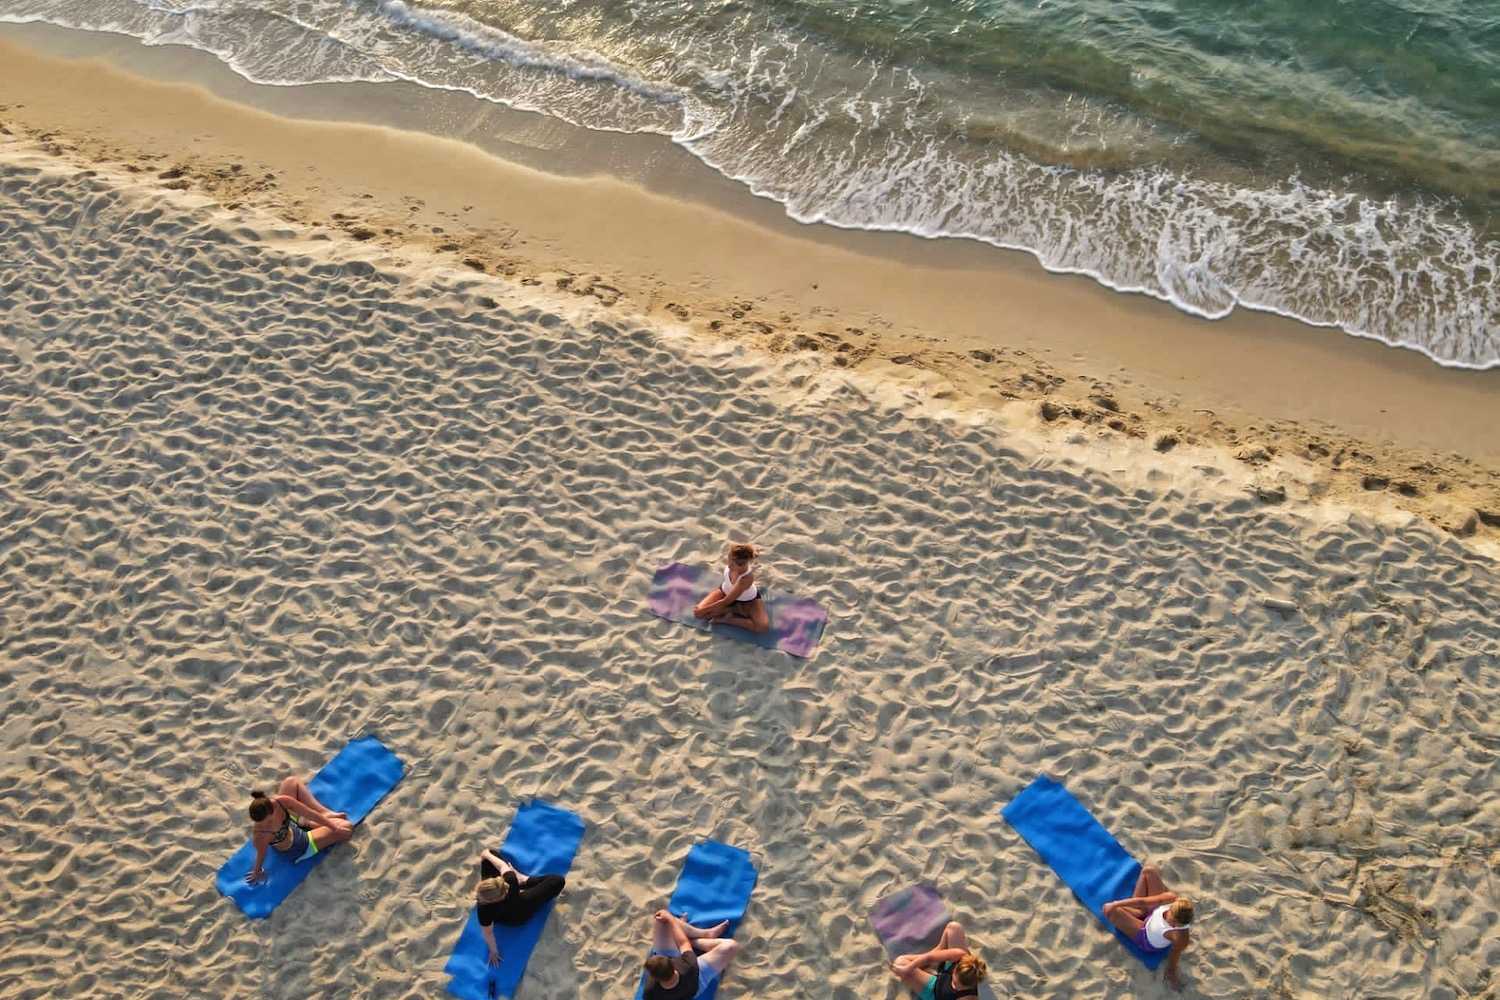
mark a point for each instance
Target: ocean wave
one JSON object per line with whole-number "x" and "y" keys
{"x": 492, "y": 43}
{"x": 867, "y": 145}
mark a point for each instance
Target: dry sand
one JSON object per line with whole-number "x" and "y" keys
{"x": 262, "y": 492}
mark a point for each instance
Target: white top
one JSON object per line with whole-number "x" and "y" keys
{"x": 1157, "y": 927}
{"x": 751, "y": 592}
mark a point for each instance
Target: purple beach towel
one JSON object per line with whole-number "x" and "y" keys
{"x": 797, "y": 623}
{"x": 910, "y": 921}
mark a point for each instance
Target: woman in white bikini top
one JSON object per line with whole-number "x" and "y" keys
{"x": 1155, "y": 919}
{"x": 1157, "y": 925}
{"x": 737, "y": 600}
{"x": 750, "y": 593}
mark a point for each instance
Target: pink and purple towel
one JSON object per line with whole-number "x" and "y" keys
{"x": 797, "y": 623}
{"x": 911, "y": 921}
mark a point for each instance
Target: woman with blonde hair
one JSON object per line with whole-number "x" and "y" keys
{"x": 506, "y": 896}
{"x": 737, "y": 600}
{"x": 1155, "y": 919}
{"x": 948, "y": 972}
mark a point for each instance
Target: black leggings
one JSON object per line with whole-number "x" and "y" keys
{"x": 522, "y": 904}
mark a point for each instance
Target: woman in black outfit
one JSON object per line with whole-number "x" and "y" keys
{"x": 506, "y": 896}
{"x": 948, "y": 972}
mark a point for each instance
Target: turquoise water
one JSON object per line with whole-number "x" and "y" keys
{"x": 1333, "y": 160}
{"x": 1409, "y": 93}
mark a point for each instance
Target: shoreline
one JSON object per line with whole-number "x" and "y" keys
{"x": 271, "y": 486}
{"x": 1302, "y": 413}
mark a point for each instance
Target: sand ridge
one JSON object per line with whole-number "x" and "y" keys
{"x": 261, "y": 496}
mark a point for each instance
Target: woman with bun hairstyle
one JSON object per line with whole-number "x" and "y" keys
{"x": 737, "y": 600}
{"x": 295, "y": 823}
{"x": 948, "y": 972}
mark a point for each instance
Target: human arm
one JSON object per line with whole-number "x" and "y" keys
{"x": 680, "y": 940}
{"x": 939, "y": 956}
{"x": 1179, "y": 939}
{"x": 926, "y": 960}
{"x": 489, "y": 939}
{"x": 257, "y": 874}
{"x": 744, "y": 583}
{"x": 492, "y": 864}
{"x": 1160, "y": 899}
{"x": 715, "y": 600}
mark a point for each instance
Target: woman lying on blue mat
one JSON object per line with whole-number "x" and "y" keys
{"x": 506, "y": 896}
{"x": 1155, "y": 919}
{"x": 295, "y": 823}
{"x": 737, "y": 600}
{"x": 947, "y": 972}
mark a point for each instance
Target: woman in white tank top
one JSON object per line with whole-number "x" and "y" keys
{"x": 1154, "y": 919}
{"x": 737, "y": 600}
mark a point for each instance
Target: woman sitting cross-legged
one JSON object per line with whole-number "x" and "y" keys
{"x": 295, "y": 823}
{"x": 737, "y": 599}
{"x": 685, "y": 961}
{"x": 506, "y": 896}
{"x": 947, "y": 972}
{"x": 1155, "y": 918}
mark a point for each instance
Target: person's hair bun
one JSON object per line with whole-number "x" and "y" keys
{"x": 260, "y": 806}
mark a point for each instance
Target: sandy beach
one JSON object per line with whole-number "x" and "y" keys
{"x": 314, "y": 428}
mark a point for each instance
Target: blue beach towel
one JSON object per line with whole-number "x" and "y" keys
{"x": 715, "y": 885}
{"x": 1090, "y": 861}
{"x": 542, "y": 841}
{"x": 360, "y": 776}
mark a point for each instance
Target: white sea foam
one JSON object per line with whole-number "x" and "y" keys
{"x": 492, "y": 43}
{"x": 859, "y": 146}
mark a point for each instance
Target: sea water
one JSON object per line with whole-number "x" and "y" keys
{"x": 1337, "y": 161}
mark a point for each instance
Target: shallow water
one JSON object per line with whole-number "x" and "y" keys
{"x": 1334, "y": 161}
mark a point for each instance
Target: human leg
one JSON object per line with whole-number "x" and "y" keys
{"x": 714, "y": 956}
{"x": 321, "y": 838}
{"x": 535, "y": 894}
{"x": 696, "y": 934}
{"x": 748, "y": 615}
{"x": 1150, "y": 883}
{"x": 662, "y": 941}
{"x": 712, "y": 605}
{"x": 954, "y": 937}
{"x": 1126, "y": 920}
{"x": 916, "y": 978}
{"x": 295, "y": 787}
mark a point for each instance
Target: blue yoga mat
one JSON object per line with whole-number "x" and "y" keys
{"x": 715, "y": 885}
{"x": 360, "y": 776}
{"x": 542, "y": 841}
{"x": 1090, "y": 861}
